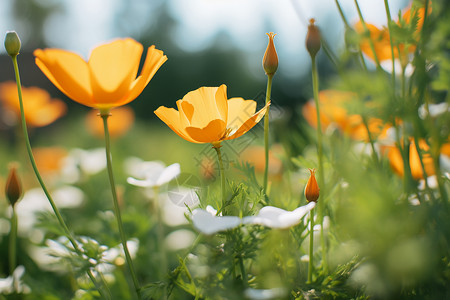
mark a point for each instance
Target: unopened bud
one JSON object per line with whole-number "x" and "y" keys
{"x": 312, "y": 188}
{"x": 13, "y": 187}
{"x": 313, "y": 39}
{"x": 12, "y": 43}
{"x": 270, "y": 60}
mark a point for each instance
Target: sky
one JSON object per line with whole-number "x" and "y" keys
{"x": 83, "y": 24}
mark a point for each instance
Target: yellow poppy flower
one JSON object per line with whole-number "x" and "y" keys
{"x": 381, "y": 38}
{"x": 40, "y": 109}
{"x": 119, "y": 125}
{"x": 108, "y": 79}
{"x": 207, "y": 116}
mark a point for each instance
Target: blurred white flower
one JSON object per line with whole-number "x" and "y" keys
{"x": 434, "y": 109}
{"x": 151, "y": 173}
{"x": 208, "y": 223}
{"x": 265, "y": 294}
{"x": 14, "y": 284}
{"x": 387, "y": 66}
{"x": 179, "y": 239}
{"x": 81, "y": 162}
{"x": 275, "y": 217}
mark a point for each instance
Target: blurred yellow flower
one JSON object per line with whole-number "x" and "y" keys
{"x": 108, "y": 79}
{"x": 255, "y": 155}
{"x": 49, "y": 160}
{"x": 396, "y": 160}
{"x": 381, "y": 38}
{"x": 39, "y": 108}
{"x": 120, "y": 122}
{"x": 207, "y": 116}
{"x": 333, "y": 112}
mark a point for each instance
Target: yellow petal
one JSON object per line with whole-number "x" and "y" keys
{"x": 239, "y": 111}
{"x": 213, "y": 132}
{"x": 252, "y": 121}
{"x": 153, "y": 61}
{"x": 68, "y": 72}
{"x": 113, "y": 67}
{"x": 171, "y": 117}
{"x": 209, "y": 103}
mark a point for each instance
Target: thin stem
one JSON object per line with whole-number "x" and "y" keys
{"x": 341, "y": 13}
{"x": 41, "y": 182}
{"x": 216, "y": 147}
{"x": 243, "y": 273}
{"x": 311, "y": 246}
{"x": 371, "y": 141}
{"x": 160, "y": 236}
{"x": 321, "y": 209}
{"x": 13, "y": 241}
{"x": 388, "y": 15}
{"x": 266, "y": 133}
{"x": 372, "y": 47}
{"x": 123, "y": 239}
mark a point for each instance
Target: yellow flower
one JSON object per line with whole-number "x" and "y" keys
{"x": 39, "y": 108}
{"x": 312, "y": 188}
{"x": 207, "y": 116}
{"x": 119, "y": 125}
{"x": 108, "y": 79}
{"x": 381, "y": 38}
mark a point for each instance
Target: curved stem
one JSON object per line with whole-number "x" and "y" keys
{"x": 41, "y": 182}
{"x": 266, "y": 133}
{"x": 104, "y": 116}
{"x": 321, "y": 209}
{"x": 216, "y": 147}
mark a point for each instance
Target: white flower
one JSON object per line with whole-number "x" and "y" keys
{"x": 152, "y": 173}
{"x": 265, "y": 294}
{"x": 208, "y": 223}
{"x": 14, "y": 283}
{"x": 275, "y": 217}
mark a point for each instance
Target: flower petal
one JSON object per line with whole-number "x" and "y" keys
{"x": 68, "y": 72}
{"x": 208, "y": 224}
{"x": 169, "y": 173}
{"x": 171, "y": 117}
{"x": 113, "y": 67}
{"x": 249, "y": 123}
{"x": 213, "y": 132}
{"x": 239, "y": 111}
{"x": 275, "y": 217}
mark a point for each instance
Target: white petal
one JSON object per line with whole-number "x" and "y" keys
{"x": 209, "y": 224}
{"x": 275, "y": 217}
{"x": 141, "y": 183}
{"x": 168, "y": 174}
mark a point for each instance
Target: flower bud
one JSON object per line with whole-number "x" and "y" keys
{"x": 13, "y": 187}
{"x": 313, "y": 38}
{"x": 270, "y": 60}
{"x": 312, "y": 188}
{"x": 12, "y": 43}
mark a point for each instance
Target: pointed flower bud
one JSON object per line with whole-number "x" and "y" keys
{"x": 270, "y": 60}
{"x": 312, "y": 188}
{"x": 12, "y": 43}
{"x": 13, "y": 188}
{"x": 313, "y": 38}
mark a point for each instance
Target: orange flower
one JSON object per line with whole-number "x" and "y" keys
{"x": 396, "y": 160}
{"x": 49, "y": 160}
{"x": 207, "y": 116}
{"x": 255, "y": 155}
{"x": 312, "y": 188}
{"x": 381, "y": 37}
{"x": 333, "y": 113}
{"x": 270, "y": 59}
{"x": 118, "y": 124}
{"x": 108, "y": 79}
{"x": 39, "y": 108}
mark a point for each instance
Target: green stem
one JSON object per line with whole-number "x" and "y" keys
{"x": 321, "y": 209}
{"x": 243, "y": 273}
{"x": 341, "y": 13}
{"x": 43, "y": 186}
{"x": 371, "y": 141}
{"x": 13, "y": 241}
{"x": 216, "y": 147}
{"x": 104, "y": 115}
{"x": 388, "y": 15}
{"x": 266, "y": 133}
{"x": 311, "y": 246}
{"x": 160, "y": 236}
{"x": 366, "y": 30}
